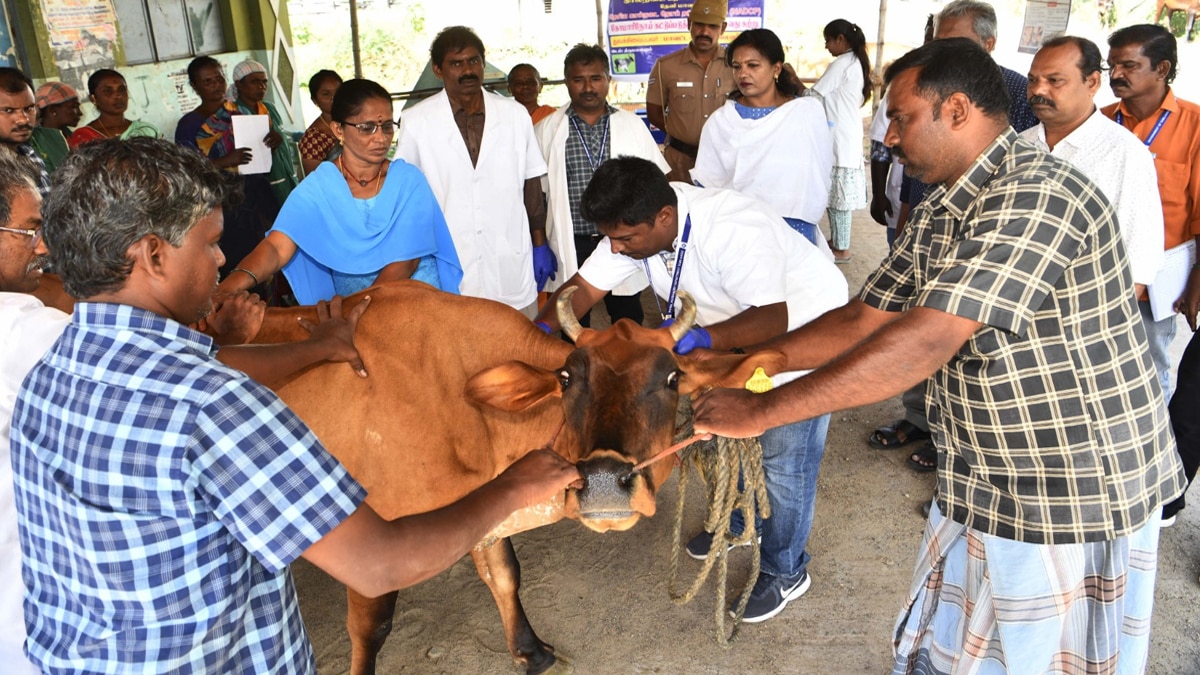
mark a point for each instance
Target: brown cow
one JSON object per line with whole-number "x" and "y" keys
{"x": 460, "y": 388}
{"x": 1172, "y": 7}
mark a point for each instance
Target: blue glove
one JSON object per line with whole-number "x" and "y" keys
{"x": 544, "y": 326}
{"x": 544, "y": 265}
{"x": 696, "y": 338}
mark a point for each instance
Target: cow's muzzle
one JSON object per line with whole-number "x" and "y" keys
{"x": 613, "y": 496}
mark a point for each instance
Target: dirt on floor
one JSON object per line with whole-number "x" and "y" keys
{"x": 602, "y": 599}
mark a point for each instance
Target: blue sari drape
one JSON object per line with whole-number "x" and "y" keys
{"x": 333, "y": 232}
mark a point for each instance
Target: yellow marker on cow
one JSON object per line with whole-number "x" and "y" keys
{"x": 760, "y": 382}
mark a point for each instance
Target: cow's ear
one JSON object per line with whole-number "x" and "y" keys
{"x": 732, "y": 370}
{"x": 512, "y": 386}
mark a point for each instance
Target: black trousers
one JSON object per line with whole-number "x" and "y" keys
{"x": 618, "y": 306}
{"x": 1185, "y": 416}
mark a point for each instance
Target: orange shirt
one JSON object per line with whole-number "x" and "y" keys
{"x": 1176, "y": 152}
{"x": 542, "y": 112}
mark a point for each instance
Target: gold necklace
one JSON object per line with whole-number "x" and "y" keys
{"x": 321, "y": 119}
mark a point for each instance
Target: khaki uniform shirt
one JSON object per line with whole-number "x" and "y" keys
{"x": 688, "y": 93}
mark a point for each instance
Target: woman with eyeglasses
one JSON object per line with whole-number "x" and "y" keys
{"x": 359, "y": 220}
{"x": 108, "y": 91}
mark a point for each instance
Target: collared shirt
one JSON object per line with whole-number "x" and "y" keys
{"x": 1176, "y": 152}
{"x": 740, "y": 255}
{"x": 162, "y": 497}
{"x": 1049, "y": 424}
{"x": 688, "y": 91}
{"x": 1124, "y": 171}
{"x": 470, "y": 125}
{"x": 27, "y": 151}
{"x": 582, "y": 163}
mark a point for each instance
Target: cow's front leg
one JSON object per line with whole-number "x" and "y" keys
{"x": 369, "y": 622}
{"x": 499, "y": 569}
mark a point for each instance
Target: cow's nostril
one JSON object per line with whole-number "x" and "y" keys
{"x": 626, "y": 480}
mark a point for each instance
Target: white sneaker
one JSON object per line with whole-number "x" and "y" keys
{"x": 1166, "y": 522}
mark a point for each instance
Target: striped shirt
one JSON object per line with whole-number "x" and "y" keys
{"x": 1049, "y": 423}
{"x": 162, "y": 497}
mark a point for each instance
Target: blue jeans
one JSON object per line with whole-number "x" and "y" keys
{"x": 1159, "y": 335}
{"x": 791, "y": 457}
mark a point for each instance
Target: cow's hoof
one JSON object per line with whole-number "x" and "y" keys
{"x": 561, "y": 666}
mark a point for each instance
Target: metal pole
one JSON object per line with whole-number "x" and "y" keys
{"x": 354, "y": 39}
{"x": 600, "y": 23}
{"x": 879, "y": 57}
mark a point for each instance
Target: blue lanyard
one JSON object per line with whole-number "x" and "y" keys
{"x": 1162, "y": 119}
{"x": 683, "y": 242}
{"x": 583, "y": 141}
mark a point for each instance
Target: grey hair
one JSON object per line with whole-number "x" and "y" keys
{"x": 110, "y": 194}
{"x": 983, "y": 16}
{"x": 16, "y": 173}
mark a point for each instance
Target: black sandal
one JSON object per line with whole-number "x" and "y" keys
{"x": 895, "y": 435}
{"x": 924, "y": 459}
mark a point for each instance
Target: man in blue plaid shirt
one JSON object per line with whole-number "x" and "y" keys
{"x": 162, "y": 495}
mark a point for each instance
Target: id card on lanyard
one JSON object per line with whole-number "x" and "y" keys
{"x": 669, "y": 312}
{"x": 1162, "y": 119}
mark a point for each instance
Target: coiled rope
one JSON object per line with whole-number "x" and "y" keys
{"x": 720, "y": 462}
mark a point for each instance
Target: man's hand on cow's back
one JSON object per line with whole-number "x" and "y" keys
{"x": 540, "y": 475}
{"x": 335, "y": 332}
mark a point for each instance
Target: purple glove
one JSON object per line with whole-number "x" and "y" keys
{"x": 544, "y": 265}
{"x": 696, "y": 338}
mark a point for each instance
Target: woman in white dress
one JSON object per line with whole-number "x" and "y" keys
{"x": 844, "y": 89}
{"x": 768, "y": 141}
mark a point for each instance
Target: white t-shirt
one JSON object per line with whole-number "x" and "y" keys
{"x": 785, "y": 159}
{"x": 841, "y": 91}
{"x": 740, "y": 254}
{"x": 27, "y": 331}
{"x": 1123, "y": 168}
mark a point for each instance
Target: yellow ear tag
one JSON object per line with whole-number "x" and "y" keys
{"x": 760, "y": 382}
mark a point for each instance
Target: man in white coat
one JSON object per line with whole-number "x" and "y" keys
{"x": 575, "y": 141}
{"x": 478, "y": 152}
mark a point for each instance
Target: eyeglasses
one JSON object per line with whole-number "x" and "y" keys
{"x": 29, "y": 111}
{"x": 34, "y": 234}
{"x": 369, "y": 128}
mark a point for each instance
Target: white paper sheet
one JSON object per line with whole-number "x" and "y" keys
{"x": 1169, "y": 282}
{"x": 249, "y": 132}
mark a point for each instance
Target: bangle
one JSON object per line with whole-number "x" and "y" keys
{"x": 252, "y": 275}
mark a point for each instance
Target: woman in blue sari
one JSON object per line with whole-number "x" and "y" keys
{"x": 359, "y": 220}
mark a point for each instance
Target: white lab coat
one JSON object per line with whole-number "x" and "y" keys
{"x": 628, "y": 135}
{"x": 483, "y": 204}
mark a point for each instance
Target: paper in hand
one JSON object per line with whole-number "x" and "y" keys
{"x": 249, "y": 131}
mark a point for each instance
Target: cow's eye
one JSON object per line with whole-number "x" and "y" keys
{"x": 564, "y": 379}
{"x": 673, "y": 380}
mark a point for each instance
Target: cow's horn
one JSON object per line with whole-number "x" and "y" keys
{"x": 566, "y": 314}
{"x": 687, "y": 316}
